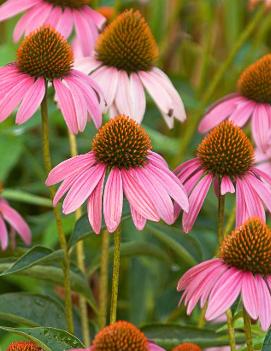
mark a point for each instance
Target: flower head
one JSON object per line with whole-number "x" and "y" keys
{"x": 121, "y": 150}
{"x": 43, "y": 56}
{"x": 61, "y": 14}
{"x": 253, "y": 99}
{"x": 23, "y": 346}
{"x": 225, "y": 156}
{"x": 243, "y": 268}
{"x": 122, "y": 336}
{"x": 15, "y": 222}
{"x": 126, "y": 53}
{"x": 187, "y": 346}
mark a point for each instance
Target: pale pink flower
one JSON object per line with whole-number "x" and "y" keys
{"x": 16, "y": 223}
{"x": 243, "y": 269}
{"x": 123, "y": 66}
{"x": 252, "y": 101}
{"x": 121, "y": 149}
{"x": 63, "y": 15}
{"x": 263, "y": 158}
{"x": 122, "y": 336}
{"x": 45, "y": 56}
{"x": 225, "y": 156}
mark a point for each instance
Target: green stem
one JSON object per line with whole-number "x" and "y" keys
{"x": 103, "y": 288}
{"x": 80, "y": 257}
{"x": 115, "y": 279}
{"x": 231, "y": 330}
{"x": 57, "y": 214}
{"x": 247, "y": 328}
{"x": 230, "y": 221}
{"x": 202, "y": 321}
{"x": 193, "y": 122}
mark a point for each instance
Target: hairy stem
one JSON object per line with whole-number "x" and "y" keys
{"x": 115, "y": 278}
{"x": 247, "y": 328}
{"x": 57, "y": 214}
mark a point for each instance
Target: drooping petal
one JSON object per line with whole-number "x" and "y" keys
{"x": 264, "y": 302}
{"x": 196, "y": 200}
{"x": 69, "y": 167}
{"x": 82, "y": 188}
{"x": 241, "y": 208}
{"x": 242, "y": 113}
{"x": 250, "y": 295}
{"x": 11, "y": 7}
{"x": 261, "y": 126}
{"x": 95, "y": 207}
{"x": 39, "y": 15}
{"x": 227, "y": 186}
{"x": 154, "y": 347}
{"x": 3, "y": 234}
{"x": 94, "y": 16}
{"x": 263, "y": 191}
{"x": 16, "y": 221}
{"x": 254, "y": 205}
{"x": 65, "y": 23}
{"x": 138, "y": 220}
{"x": 113, "y": 200}
{"x": 85, "y": 35}
{"x": 31, "y": 101}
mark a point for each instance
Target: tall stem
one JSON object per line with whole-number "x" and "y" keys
{"x": 193, "y": 123}
{"x": 80, "y": 256}
{"x": 115, "y": 279}
{"x": 57, "y": 214}
{"x": 247, "y": 327}
{"x": 220, "y": 233}
{"x": 103, "y": 288}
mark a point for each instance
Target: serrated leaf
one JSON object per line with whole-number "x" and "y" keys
{"x": 49, "y": 339}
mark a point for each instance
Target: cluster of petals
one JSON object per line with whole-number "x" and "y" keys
{"x": 253, "y": 191}
{"x": 86, "y": 21}
{"x": 219, "y": 285}
{"x": 125, "y": 94}
{"x": 15, "y": 222}
{"x": 239, "y": 110}
{"x": 149, "y": 190}
{"x": 79, "y": 97}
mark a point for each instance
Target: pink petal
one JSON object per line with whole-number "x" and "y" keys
{"x": 95, "y": 207}
{"x": 11, "y": 7}
{"x": 65, "y": 23}
{"x": 82, "y": 188}
{"x": 55, "y": 16}
{"x": 17, "y": 222}
{"x": 242, "y": 113}
{"x": 153, "y": 347}
{"x": 94, "y": 16}
{"x": 250, "y": 295}
{"x": 224, "y": 293}
{"x": 196, "y": 200}
{"x": 219, "y": 111}
{"x": 261, "y": 126}
{"x": 138, "y": 220}
{"x": 31, "y": 101}
{"x": 263, "y": 191}
{"x": 38, "y": 16}
{"x": 3, "y": 234}
{"x": 137, "y": 196}
{"x": 264, "y": 302}
{"x": 241, "y": 208}
{"x": 184, "y": 170}
{"x": 227, "y": 186}
{"x": 113, "y": 200}
{"x": 69, "y": 167}
{"x": 85, "y": 35}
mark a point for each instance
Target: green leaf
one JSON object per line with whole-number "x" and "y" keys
{"x": 32, "y": 310}
{"x": 82, "y": 229}
{"x": 11, "y": 147}
{"x": 49, "y": 339}
{"x": 177, "y": 248}
{"x": 131, "y": 249}
{"x": 171, "y": 335}
{"x": 34, "y": 256}
{"x": 267, "y": 342}
{"x": 55, "y": 275}
{"x": 22, "y": 196}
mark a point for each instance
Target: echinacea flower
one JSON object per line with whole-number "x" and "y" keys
{"x": 187, "y": 346}
{"x": 121, "y": 336}
{"x": 253, "y": 100}
{"x": 225, "y": 156}
{"x": 45, "y": 56}
{"x": 242, "y": 269}
{"x": 124, "y": 64}
{"x": 122, "y": 150}
{"x": 15, "y": 222}
{"x": 23, "y": 346}
{"x": 63, "y": 15}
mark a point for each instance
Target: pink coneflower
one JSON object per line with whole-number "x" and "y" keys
{"x": 63, "y": 15}
{"x": 125, "y": 56}
{"x": 188, "y": 346}
{"x": 121, "y": 336}
{"x": 243, "y": 268}
{"x": 122, "y": 149}
{"x": 225, "y": 156}
{"x": 252, "y": 100}
{"x": 45, "y": 56}
{"x": 16, "y": 223}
